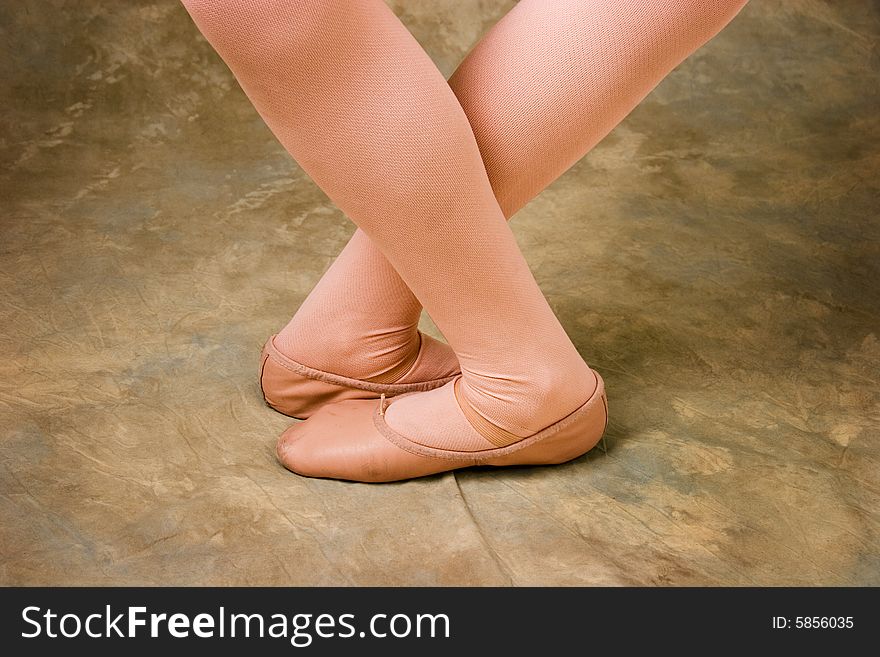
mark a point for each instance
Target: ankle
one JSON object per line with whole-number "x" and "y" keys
{"x": 523, "y": 405}
{"x": 380, "y": 358}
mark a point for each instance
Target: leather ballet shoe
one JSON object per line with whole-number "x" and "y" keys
{"x": 297, "y": 390}
{"x": 350, "y": 440}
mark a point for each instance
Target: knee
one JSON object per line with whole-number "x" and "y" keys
{"x": 265, "y": 19}
{"x": 207, "y": 12}
{"x": 697, "y": 21}
{"x": 720, "y": 12}
{"x": 215, "y": 20}
{"x": 253, "y": 36}
{"x": 229, "y": 20}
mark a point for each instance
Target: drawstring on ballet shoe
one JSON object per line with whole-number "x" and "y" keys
{"x": 382, "y": 404}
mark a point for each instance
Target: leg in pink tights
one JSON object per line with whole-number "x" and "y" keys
{"x": 361, "y": 107}
{"x": 377, "y": 128}
{"x": 545, "y": 85}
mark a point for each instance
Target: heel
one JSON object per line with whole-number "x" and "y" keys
{"x": 294, "y": 394}
{"x": 299, "y": 391}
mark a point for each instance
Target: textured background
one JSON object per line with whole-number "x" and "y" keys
{"x": 715, "y": 258}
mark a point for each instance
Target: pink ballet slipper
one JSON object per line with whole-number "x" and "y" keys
{"x": 351, "y": 440}
{"x": 297, "y": 390}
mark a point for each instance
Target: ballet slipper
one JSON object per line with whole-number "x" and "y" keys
{"x": 351, "y": 440}
{"x": 297, "y": 390}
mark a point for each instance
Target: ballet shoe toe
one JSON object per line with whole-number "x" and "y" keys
{"x": 340, "y": 441}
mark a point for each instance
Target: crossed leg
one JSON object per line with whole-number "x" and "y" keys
{"x": 543, "y": 87}
{"x": 359, "y": 105}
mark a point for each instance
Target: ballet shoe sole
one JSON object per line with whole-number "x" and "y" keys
{"x": 298, "y": 391}
{"x": 351, "y": 441}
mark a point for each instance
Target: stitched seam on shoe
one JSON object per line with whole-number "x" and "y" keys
{"x": 264, "y": 359}
{"x": 605, "y": 404}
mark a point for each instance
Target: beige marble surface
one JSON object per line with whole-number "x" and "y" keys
{"x": 715, "y": 258}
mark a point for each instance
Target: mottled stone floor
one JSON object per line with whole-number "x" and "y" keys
{"x": 715, "y": 258}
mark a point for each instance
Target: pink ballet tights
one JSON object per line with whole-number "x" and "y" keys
{"x": 429, "y": 170}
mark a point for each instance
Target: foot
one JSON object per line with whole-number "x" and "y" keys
{"x": 354, "y": 440}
